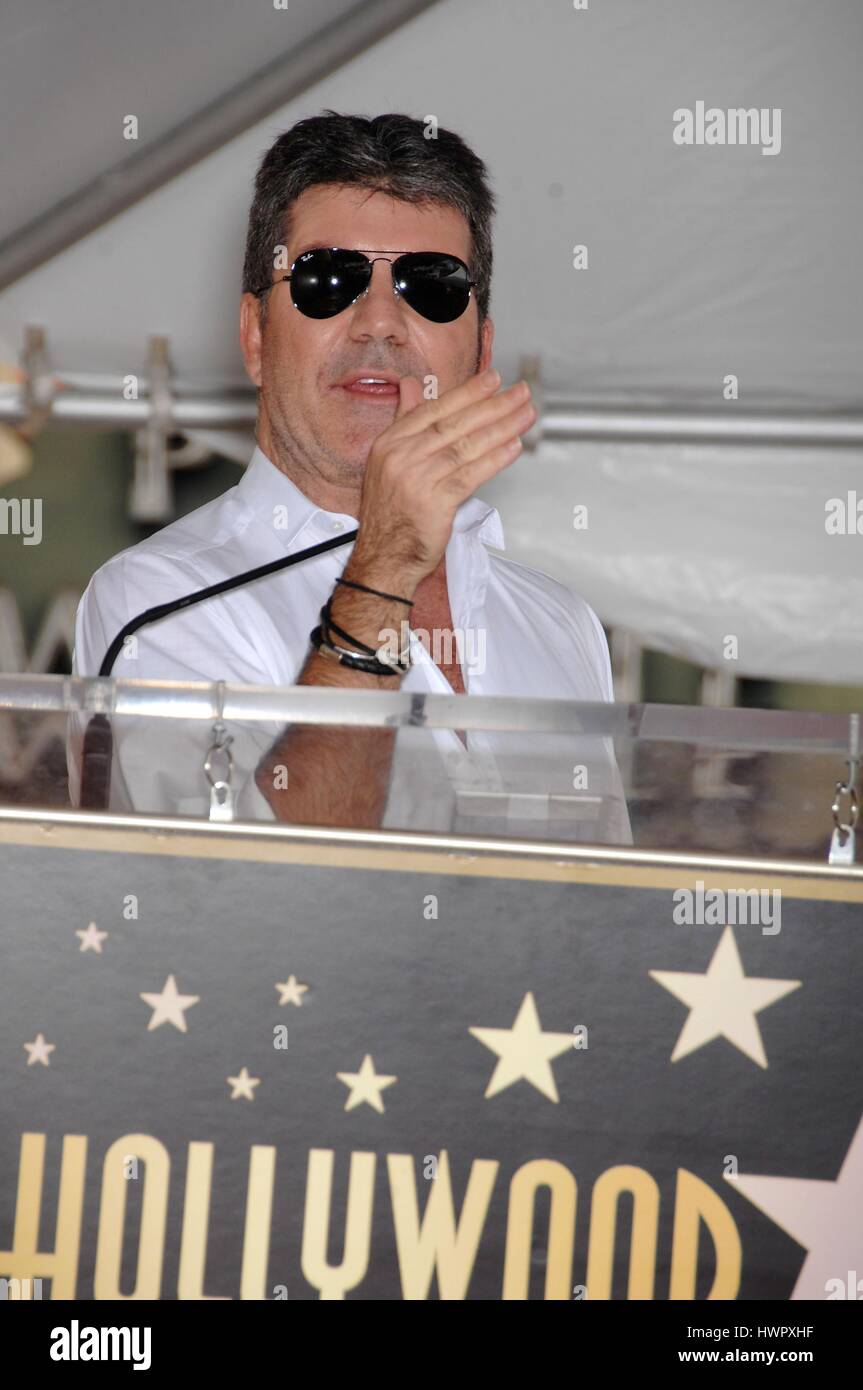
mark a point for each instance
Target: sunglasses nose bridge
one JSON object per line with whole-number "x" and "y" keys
{"x": 382, "y": 276}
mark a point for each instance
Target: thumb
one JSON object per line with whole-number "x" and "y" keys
{"x": 410, "y": 395}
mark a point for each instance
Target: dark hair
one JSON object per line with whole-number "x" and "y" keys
{"x": 388, "y": 154}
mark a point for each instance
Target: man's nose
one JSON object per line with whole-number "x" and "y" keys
{"x": 379, "y": 313}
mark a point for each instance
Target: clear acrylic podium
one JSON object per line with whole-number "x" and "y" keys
{"x": 751, "y": 783}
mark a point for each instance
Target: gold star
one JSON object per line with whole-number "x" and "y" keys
{"x": 169, "y": 1006}
{"x": 365, "y": 1085}
{"x": 723, "y": 1002}
{"x": 525, "y": 1052}
{"x": 291, "y": 991}
{"x": 243, "y": 1085}
{"x": 92, "y": 938}
{"x": 39, "y": 1051}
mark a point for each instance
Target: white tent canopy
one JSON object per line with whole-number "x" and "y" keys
{"x": 704, "y": 261}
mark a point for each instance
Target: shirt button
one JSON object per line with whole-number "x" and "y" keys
{"x": 338, "y": 526}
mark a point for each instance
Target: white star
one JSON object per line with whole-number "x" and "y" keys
{"x": 826, "y": 1218}
{"x": 291, "y": 991}
{"x": 365, "y": 1085}
{"x": 91, "y": 938}
{"x": 39, "y": 1051}
{"x": 723, "y": 1002}
{"x": 169, "y": 1006}
{"x": 525, "y": 1052}
{"x": 243, "y": 1085}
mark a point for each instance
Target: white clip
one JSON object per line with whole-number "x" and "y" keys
{"x": 150, "y": 497}
{"x": 842, "y": 839}
{"x": 221, "y": 801}
{"x": 39, "y": 386}
{"x": 221, "y": 796}
{"x": 841, "y": 849}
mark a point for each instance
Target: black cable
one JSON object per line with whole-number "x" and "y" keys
{"x": 163, "y": 609}
{"x": 98, "y": 746}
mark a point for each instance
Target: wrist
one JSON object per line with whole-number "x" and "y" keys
{"x": 395, "y": 580}
{"x": 370, "y": 619}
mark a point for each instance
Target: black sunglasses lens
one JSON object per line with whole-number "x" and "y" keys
{"x": 324, "y": 282}
{"x": 436, "y": 286}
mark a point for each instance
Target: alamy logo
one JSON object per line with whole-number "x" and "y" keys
{"x": 737, "y": 126}
{"x": 718, "y": 908}
{"x": 76, "y": 1343}
{"x": 844, "y": 515}
{"x": 20, "y": 1289}
{"x": 445, "y": 646}
{"x": 22, "y": 516}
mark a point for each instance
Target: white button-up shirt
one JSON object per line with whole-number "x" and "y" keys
{"x": 523, "y": 634}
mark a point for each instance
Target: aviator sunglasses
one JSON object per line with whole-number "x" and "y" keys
{"x": 327, "y": 280}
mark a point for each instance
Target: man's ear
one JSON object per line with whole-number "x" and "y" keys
{"x": 250, "y": 336}
{"x": 486, "y": 338}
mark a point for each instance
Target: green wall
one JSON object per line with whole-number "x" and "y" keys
{"x": 83, "y": 479}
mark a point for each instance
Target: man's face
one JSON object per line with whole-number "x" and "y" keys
{"x": 310, "y": 426}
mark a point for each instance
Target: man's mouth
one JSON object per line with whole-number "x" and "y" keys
{"x": 371, "y": 387}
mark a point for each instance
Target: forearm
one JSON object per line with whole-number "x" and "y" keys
{"x": 323, "y": 775}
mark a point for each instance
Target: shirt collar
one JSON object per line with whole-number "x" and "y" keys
{"x": 263, "y": 486}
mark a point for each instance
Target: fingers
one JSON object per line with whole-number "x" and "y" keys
{"x": 467, "y": 449}
{"x": 410, "y": 395}
{"x": 456, "y": 430}
{"x": 471, "y": 392}
{"x": 465, "y": 435}
{"x": 488, "y": 432}
{"x": 461, "y": 483}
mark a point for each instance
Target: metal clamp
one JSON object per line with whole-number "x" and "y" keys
{"x": 150, "y": 498}
{"x": 221, "y": 795}
{"x": 39, "y": 387}
{"x": 842, "y": 841}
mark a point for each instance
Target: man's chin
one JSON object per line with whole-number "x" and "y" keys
{"x": 357, "y": 436}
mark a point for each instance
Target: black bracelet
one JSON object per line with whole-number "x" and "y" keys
{"x": 402, "y": 662}
{"x": 364, "y": 588}
{"x": 369, "y": 664}
{"x": 328, "y": 626}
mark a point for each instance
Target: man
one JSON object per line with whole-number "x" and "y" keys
{"x": 364, "y": 325}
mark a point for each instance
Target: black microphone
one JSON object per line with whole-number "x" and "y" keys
{"x": 98, "y": 747}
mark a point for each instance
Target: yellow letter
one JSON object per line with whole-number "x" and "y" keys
{"x": 112, "y": 1216}
{"x": 438, "y": 1243}
{"x": 695, "y": 1199}
{"x": 61, "y": 1264}
{"x": 196, "y": 1218}
{"x": 259, "y": 1210}
{"x": 603, "y": 1231}
{"x": 542, "y": 1172}
{"x": 334, "y": 1280}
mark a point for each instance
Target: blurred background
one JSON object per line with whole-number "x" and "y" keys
{"x": 691, "y": 317}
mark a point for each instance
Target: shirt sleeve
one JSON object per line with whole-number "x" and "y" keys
{"x": 158, "y": 763}
{"x": 603, "y": 657}
{"x": 619, "y": 829}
